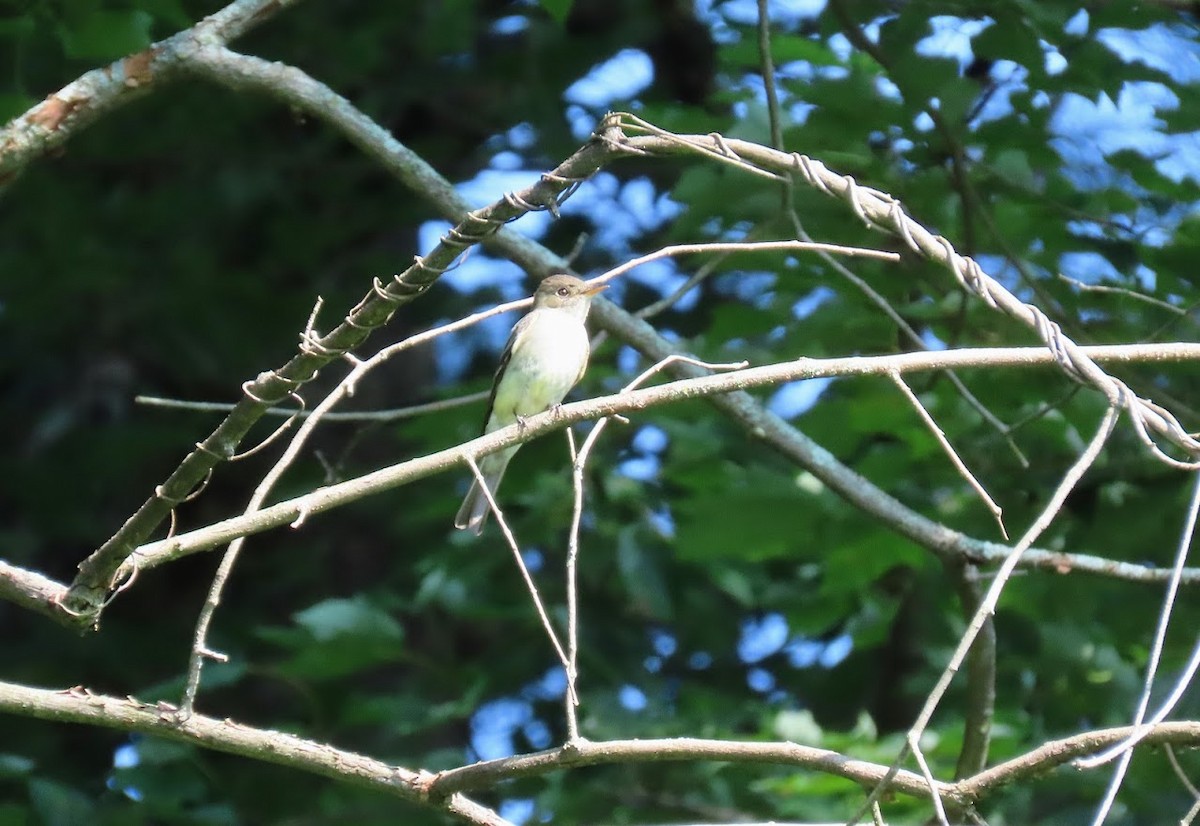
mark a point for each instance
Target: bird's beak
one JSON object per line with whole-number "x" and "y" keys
{"x": 595, "y": 288}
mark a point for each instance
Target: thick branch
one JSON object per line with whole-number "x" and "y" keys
{"x": 78, "y": 705}
{"x": 44, "y": 595}
{"x": 1054, "y": 753}
{"x": 880, "y": 211}
{"x": 31, "y": 590}
{"x": 98, "y": 572}
{"x": 80, "y": 103}
{"x": 981, "y": 677}
{"x": 972, "y": 790}
{"x": 588, "y": 753}
{"x": 951, "y": 544}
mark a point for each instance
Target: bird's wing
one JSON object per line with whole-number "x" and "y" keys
{"x": 587, "y": 352}
{"x": 517, "y": 331}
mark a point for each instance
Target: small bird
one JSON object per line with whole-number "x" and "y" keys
{"x": 545, "y": 356}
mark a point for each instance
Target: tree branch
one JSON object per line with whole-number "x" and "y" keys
{"x": 32, "y": 590}
{"x": 98, "y": 572}
{"x": 880, "y": 211}
{"x": 78, "y": 705}
{"x": 589, "y": 753}
{"x": 582, "y": 753}
{"x": 945, "y": 542}
{"x": 938, "y": 538}
{"x": 82, "y": 102}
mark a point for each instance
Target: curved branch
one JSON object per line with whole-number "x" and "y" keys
{"x": 31, "y": 590}
{"x": 588, "y": 753}
{"x": 82, "y": 102}
{"x": 1054, "y": 753}
{"x": 444, "y": 791}
{"x": 78, "y": 705}
{"x": 942, "y": 540}
{"x": 46, "y": 596}
{"x": 1039, "y": 761}
{"x": 881, "y": 212}
{"x": 99, "y": 572}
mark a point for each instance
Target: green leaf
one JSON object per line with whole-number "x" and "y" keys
{"x": 558, "y": 9}
{"x": 642, "y": 575}
{"x": 335, "y": 618}
{"x": 785, "y": 48}
{"x": 106, "y": 35}
{"x": 60, "y": 805}
{"x": 338, "y": 637}
{"x": 13, "y": 104}
{"x": 1010, "y": 38}
{"x": 798, "y": 727}
{"x": 760, "y": 516}
{"x": 170, "y": 12}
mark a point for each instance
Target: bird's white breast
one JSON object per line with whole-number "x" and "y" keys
{"x": 548, "y": 358}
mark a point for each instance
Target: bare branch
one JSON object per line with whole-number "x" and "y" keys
{"x": 32, "y": 590}
{"x": 592, "y": 753}
{"x": 78, "y": 705}
{"x": 980, "y": 671}
{"x": 355, "y": 416}
{"x": 1055, "y": 753}
{"x": 880, "y": 211}
{"x": 1160, "y": 636}
{"x": 988, "y": 604}
{"x": 82, "y": 102}
{"x": 524, "y": 569}
{"x": 937, "y": 537}
{"x": 951, "y": 453}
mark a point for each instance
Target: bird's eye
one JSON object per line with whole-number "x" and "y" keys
{"x": 564, "y": 292}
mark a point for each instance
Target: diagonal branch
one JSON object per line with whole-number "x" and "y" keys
{"x": 98, "y": 572}
{"x": 78, "y": 705}
{"x": 38, "y": 592}
{"x": 82, "y": 102}
{"x": 880, "y": 211}
{"x": 942, "y": 540}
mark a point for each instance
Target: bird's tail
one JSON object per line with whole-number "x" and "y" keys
{"x": 475, "y": 508}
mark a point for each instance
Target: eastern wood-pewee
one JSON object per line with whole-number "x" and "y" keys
{"x": 545, "y": 356}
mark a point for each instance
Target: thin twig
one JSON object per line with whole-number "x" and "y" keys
{"x": 578, "y": 464}
{"x": 1141, "y": 730}
{"x": 381, "y": 416}
{"x": 701, "y": 274}
{"x": 988, "y": 604}
{"x": 914, "y": 338}
{"x": 572, "y": 698}
{"x": 939, "y": 808}
{"x": 1103, "y": 288}
{"x": 1179, "y": 772}
{"x": 1160, "y": 634}
{"x": 525, "y": 575}
{"x": 746, "y": 246}
{"x": 955, "y": 459}
{"x": 200, "y": 649}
